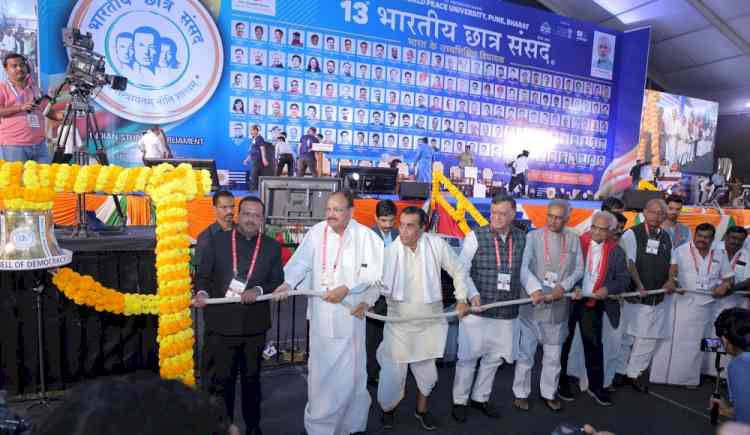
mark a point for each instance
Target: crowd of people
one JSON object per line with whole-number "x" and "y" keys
{"x": 568, "y": 277}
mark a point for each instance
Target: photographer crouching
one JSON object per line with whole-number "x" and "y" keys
{"x": 733, "y": 328}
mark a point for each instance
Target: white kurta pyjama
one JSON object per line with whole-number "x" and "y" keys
{"x": 678, "y": 358}
{"x": 480, "y": 338}
{"x": 413, "y": 280}
{"x": 338, "y": 400}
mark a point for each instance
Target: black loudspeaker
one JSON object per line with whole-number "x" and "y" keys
{"x": 414, "y": 190}
{"x": 637, "y": 199}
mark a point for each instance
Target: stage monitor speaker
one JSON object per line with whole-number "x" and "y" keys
{"x": 207, "y": 164}
{"x": 414, "y": 190}
{"x": 637, "y": 199}
{"x": 296, "y": 200}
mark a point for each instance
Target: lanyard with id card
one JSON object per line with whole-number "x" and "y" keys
{"x": 652, "y": 245}
{"x": 702, "y": 282}
{"x": 503, "y": 278}
{"x": 32, "y": 119}
{"x": 329, "y": 275}
{"x": 237, "y": 285}
{"x": 552, "y": 278}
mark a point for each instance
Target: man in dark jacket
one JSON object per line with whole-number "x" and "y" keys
{"x": 605, "y": 273}
{"x": 385, "y": 228}
{"x": 494, "y": 254}
{"x": 245, "y": 263}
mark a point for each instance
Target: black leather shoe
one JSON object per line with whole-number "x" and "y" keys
{"x": 619, "y": 380}
{"x": 459, "y": 413}
{"x": 359, "y": 433}
{"x": 638, "y": 385}
{"x": 388, "y": 419}
{"x": 485, "y": 409}
{"x": 564, "y": 392}
{"x": 600, "y": 396}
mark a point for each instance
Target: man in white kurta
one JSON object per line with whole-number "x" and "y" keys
{"x": 552, "y": 265}
{"x": 343, "y": 259}
{"x": 493, "y": 257}
{"x": 739, "y": 263}
{"x": 678, "y": 358}
{"x": 411, "y": 276}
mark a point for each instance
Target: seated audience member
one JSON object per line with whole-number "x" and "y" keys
{"x": 150, "y": 406}
{"x": 733, "y": 327}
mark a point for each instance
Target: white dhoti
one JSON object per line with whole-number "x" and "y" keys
{"x": 336, "y": 370}
{"x": 410, "y": 345}
{"x": 486, "y": 338}
{"x": 611, "y": 344}
{"x": 678, "y": 357}
{"x": 645, "y": 325}
{"x": 551, "y": 336}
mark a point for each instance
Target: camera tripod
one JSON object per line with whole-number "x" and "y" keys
{"x": 80, "y": 107}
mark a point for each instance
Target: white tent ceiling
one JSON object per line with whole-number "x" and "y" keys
{"x": 699, "y": 48}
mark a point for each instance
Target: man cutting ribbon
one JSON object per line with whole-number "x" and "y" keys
{"x": 552, "y": 265}
{"x": 241, "y": 262}
{"x": 344, "y": 259}
{"x": 604, "y": 274}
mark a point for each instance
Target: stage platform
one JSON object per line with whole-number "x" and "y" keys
{"x": 201, "y": 214}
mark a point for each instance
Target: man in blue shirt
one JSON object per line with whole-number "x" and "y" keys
{"x": 256, "y": 155}
{"x": 306, "y": 153}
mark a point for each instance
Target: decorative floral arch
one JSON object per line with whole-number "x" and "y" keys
{"x": 31, "y": 186}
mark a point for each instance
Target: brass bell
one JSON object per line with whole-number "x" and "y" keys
{"x": 27, "y": 241}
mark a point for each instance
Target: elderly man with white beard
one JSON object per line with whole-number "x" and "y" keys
{"x": 411, "y": 274}
{"x": 552, "y": 264}
{"x": 697, "y": 266}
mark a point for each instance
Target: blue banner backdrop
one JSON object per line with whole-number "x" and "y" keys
{"x": 372, "y": 76}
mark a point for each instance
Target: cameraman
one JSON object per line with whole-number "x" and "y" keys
{"x": 22, "y": 114}
{"x": 733, "y": 327}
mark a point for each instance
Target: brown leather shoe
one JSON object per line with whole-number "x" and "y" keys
{"x": 522, "y": 404}
{"x": 553, "y": 405}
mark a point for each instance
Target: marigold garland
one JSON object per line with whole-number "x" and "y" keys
{"x": 31, "y": 186}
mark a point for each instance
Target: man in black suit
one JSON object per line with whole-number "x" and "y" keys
{"x": 245, "y": 263}
{"x": 385, "y": 222}
{"x": 605, "y": 273}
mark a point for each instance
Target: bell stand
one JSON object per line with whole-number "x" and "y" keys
{"x": 80, "y": 107}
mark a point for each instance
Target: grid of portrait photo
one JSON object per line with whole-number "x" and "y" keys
{"x": 365, "y": 93}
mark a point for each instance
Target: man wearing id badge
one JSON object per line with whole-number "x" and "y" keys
{"x": 605, "y": 273}
{"x": 697, "y": 266}
{"x": 552, "y": 265}
{"x": 22, "y": 113}
{"x": 739, "y": 261}
{"x": 494, "y": 254}
{"x": 644, "y": 319}
{"x": 246, "y": 263}
{"x": 342, "y": 259}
